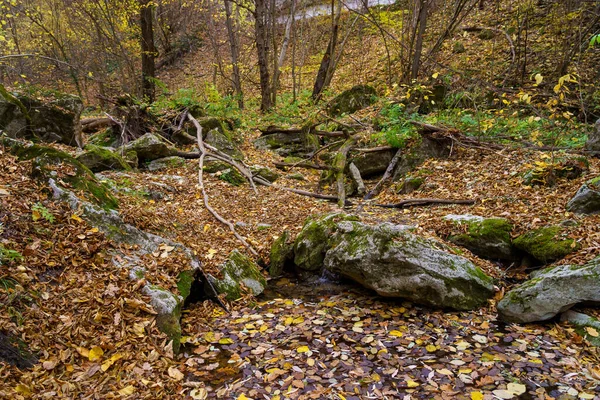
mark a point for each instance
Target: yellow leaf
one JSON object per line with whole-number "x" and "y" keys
{"x": 175, "y": 373}
{"x": 591, "y": 331}
{"x": 206, "y": 228}
{"x": 106, "y": 364}
{"x": 210, "y": 337}
{"x": 434, "y": 76}
{"x": 127, "y": 390}
{"x": 95, "y": 353}
{"x": 411, "y": 384}
{"x": 225, "y": 341}
{"x": 476, "y": 396}
{"x": 538, "y": 79}
{"x": 35, "y": 215}
{"x": 302, "y": 349}
{"x": 22, "y": 389}
{"x": 82, "y": 351}
{"x": 76, "y": 217}
{"x": 396, "y": 333}
{"x": 242, "y": 397}
{"x": 430, "y": 348}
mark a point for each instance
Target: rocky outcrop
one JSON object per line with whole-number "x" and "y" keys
{"x": 587, "y": 198}
{"x": 288, "y": 144}
{"x": 373, "y": 163}
{"x": 593, "y": 143}
{"x": 56, "y": 119}
{"x": 166, "y": 163}
{"x": 282, "y": 254}
{"x": 239, "y": 270}
{"x": 352, "y": 100}
{"x": 552, "y": 291}
{"x": 419, "y": 152}
{"x": 546, "y": 244}
{"x": 217, "y": 132}
{"x": 486, "y": 237}
{"x": 149, "y": 147}
{"x": 99, "y": 159}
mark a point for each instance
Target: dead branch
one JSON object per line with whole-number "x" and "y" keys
{"x": 375, "y": 149}
{"x": 264, "y": 182}
{"x": 386, "y": 176}
{"x": 339, "y": 163}
{"x": 355, "y": 173}
{"x": 92, "y": 124}
{"x": 311, "y": 131}
{"x": 424, "y": 202}
{"x": 203, "y": 189}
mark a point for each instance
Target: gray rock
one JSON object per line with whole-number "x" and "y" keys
{"x": 149, "y": 147}
{"x": 264, "y": 172}
{"x": 166, "y": 163}
{"x": 98, "y": 159}
{"x": 587, "y": 198}
{"x": 287, "y": 144}
{"x": 418, "y": 153}
{"x": 397, "y": 263}
{"x": 374, "y": 163}
{"x": 54, "y": 120}
{"x": 410, "y": 184}
{"x": 583, "y": 323}
{"x": 282, "y": 253}
{"x": 593, "y": 142}
{"x": 352, "y": 100}
{"x": 546, "y": 244}
{"x": 486, "y": 237}
{"x": 552, "y": 291}
{"x": 239, "y": 270}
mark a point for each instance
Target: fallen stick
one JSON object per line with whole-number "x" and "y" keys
{"x": 339, "y": 162}
{"x": 264, "y": 182}
{"x": 304, "y": 165}
{"x": 386, "y": 176}
{"x": 355, "y": 174}
{"x": 424, "y": 202}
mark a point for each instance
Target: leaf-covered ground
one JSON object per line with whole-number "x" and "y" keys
{"x": 95, "y": 337}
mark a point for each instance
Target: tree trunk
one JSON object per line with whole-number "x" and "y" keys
{"x": 416, "y": 61}
{"x": 283, "y": 51}
{"x": 262, "y": 47}
{"x": 148, "y": 51}
{"x": 326, "y": 63}
{"x": 235, "y": 51}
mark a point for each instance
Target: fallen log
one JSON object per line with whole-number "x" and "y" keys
{"x": 389, "y": 172}
{"x": 264, "y": 182}
{"x": 304, "y": 165}
{"x": 424, "y": 202}
{"x": 92, "y": 124}
{"x": 311, "y": 130}
{"x": 339, "y": 163}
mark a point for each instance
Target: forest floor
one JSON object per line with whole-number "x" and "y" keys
{"x": 95, "y": 337}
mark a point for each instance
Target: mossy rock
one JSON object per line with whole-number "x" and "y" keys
{"x": 587, "y": 198}
{"x": 237, "y": 270}
{"x": 149, "y": 147}
{"x": 486, "y": 34}
{"x": 104, "y": 138}
{"x": 547, "y": 174}
{"x": 486, "y": 237}
{"x": 420, "y": 151}
{"x": 297, "y": 176}
{"x": 218, "y": 132}
{"x": 99, "y": 159}
{"x": 586, "y": 326}
{"x": 282, "y": 254}
{"x": 45, "y": 159}
{"x": 458, "y": 48}
{"x": 225, "y": 172}
{"x": 264, "y": 172}
{"x": 312, "y": 241}
{"x": 546, "y": 244}
{"x": 166, "y": 163}
{"x": 168, "y": 307}
{"x": 410, "y": 184}
{"x": 352, "y": 100}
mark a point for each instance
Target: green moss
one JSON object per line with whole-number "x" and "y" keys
{"x": 169, "y": 325}
{"x": 98, "y": 158}
{"x": 239, "y": 269}
{"x": 282, "y": 252}
{"x": 105, "y": 138}
{"x": 488, "y": 238}
{"x": 546, "y": 244}
{"x": 184, "y": 283}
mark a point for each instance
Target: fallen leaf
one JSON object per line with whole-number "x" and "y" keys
{"x": 127, "y": 390}
{"x": 175, "y": 373}
{"x": 95, "y": 353}
{"x": 302, "y": 349}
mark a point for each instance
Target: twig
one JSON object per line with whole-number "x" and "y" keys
{"x": 386, "y": 176}
{"x": 424, "y": 202}
{"x": 205, "y": 195}
{"x": 262, "y": 181}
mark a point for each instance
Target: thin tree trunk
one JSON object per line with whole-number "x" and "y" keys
{"x": 262, "y": 48}
{"x": 148, "y": 51}
{"x": 326, "y": 62}
{"x": 283, "y": 51}
{"x": 416, "y": 61}
{"x": 235, "y": 51}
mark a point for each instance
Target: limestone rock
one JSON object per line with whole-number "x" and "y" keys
{"x": 546, "y": 244}
{"x": 397, "y": 263}
{"x": 410, "y": 184}
{"x": 587, "y": 198}
{"x": 373, "y": 163}
{"x": 149, "y": 147}
{"x": 166, "y": 163}
{"x": 352, "y": 100}
{"x": 486, "y": 237}
{"x": 56, "y": 119}
{"x": 593, "y": 142}
{"x": 282, "y": 253}
{"x": 552, "y": 291}
{"x": 288, "y": 144}
{"x": 237, "y": 270}
{"x": 99, "y": 159}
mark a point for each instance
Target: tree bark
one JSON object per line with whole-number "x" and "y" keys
{"x": 235, "y": 51}
{"x": 261, "y": 23}
{"x": 148, "y": 50}
{"x": 327, "y": 62}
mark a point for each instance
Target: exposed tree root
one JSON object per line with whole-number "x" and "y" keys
{"x": 424, "y": 202}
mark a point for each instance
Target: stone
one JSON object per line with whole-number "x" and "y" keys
{"x": 149, "y": 147}
{"x": 458, "y": 48}
{"x": 593, "y": 143}
{"x": 587, "y": 198}
{"x": 296, "y": 176}
{"x": 373, "y": 163}
{"x": 394, "y": 262}
{"x": 282, "y": 254}
{"x": 45, "y": 161}
{"x": 99, "y": 159}
{"x": 418, "y": 153}
{"x": 216, "y": 132}
{"x": 288, "y": 144}
{"x": 311, "y": 243}
{"x": 166, "y": 163}
{"x": 551, "y": 292}
{"x": 352, "y": 100}
{"x": 586, "y": 326}
{"x": 410, "y": 184}
{"x": 264, "y": 172}
{"x": 546, "y": 244}
{"x": 239, "y": 270}
{"x": 55, "y": 119}
{"x": 486, "y": 237}
{"x": 225, "y": 172}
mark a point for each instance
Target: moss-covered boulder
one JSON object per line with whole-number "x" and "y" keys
{"x": 225, "y": 172}
{"x": 149, "y": 147}
{"x": 397, "y": 263}
{"x": 56, "y": 118}
{"x": 311, "y": 244}
{"x": 48, "y": 162}
{"x": 552, "y": 291}
{"x": 486, "y": 237}
{"x": 99, "y": 159}
{"x": 168, "y": 307}
{"x": 352, "y": 100}
{"x": 288, "y": 144}
{"x": 373, "y": 163}
{"x": 217, "y": 132}
{"x": 410, "y": 184}
{"x": 166, "y": 163}
{"x": 282, "y": 254}
{"x": 239, "y": 270}
{"x": 264, "y": 172}
{"x": 418, "y": 152}
{"x": 586, "y": 326}
{"x": 546, "y": 244}
{"x": 587, "y": 198}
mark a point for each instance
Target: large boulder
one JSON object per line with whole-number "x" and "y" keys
{"x": 216, "y": 132}
{"x": 587, "y": 198}
{"x": 397, "y": 263}
{"x": 551, "y": 292}
{"x": 486, "y": 237}
{"x": 239, "y": 270}
{"x": 420, "y": 151}
{"x": 282, "y": 254}
{"x": 352, "y": 100}
{"x": 546, "y": 244}
{"x": 99, "y": 159}
{"x": 55, "y": 119}
{"x": 288, "y": 144}
{"x": 593, "y": 143}
{"x": 149, "y": 147}
{"x": 166, "y": 163}
{"x": 373, "y": 163}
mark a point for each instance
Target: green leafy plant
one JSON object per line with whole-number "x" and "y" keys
{"x": 8, "y": 255}
{"x": 595, "y": 40}
{"x": 38, "y": 211}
